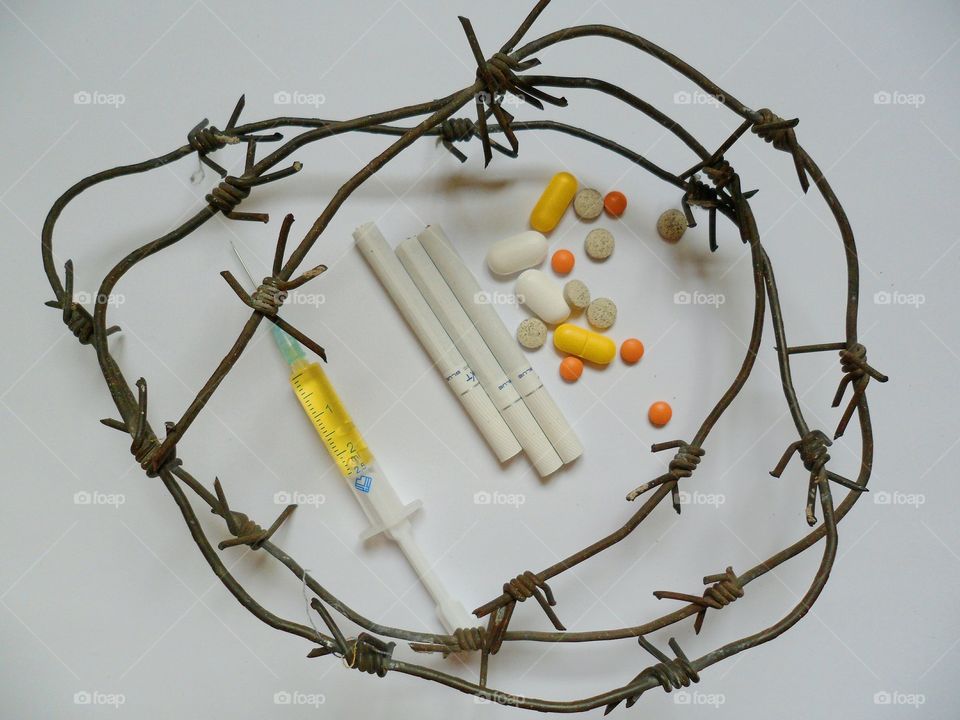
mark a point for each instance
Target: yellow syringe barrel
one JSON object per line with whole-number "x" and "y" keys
{"x": 332, "y": 421}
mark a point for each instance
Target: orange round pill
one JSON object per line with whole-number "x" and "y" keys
{"x": 660, "y": 413}
{"x": 562, "y": 262}
{"x": 631, "y": 351}
{"x": 571, "y": 368}
{"x": 615, "y": 203}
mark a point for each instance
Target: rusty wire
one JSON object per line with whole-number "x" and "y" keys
{"x": 718, "y": 191}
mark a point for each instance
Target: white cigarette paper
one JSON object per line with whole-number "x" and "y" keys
{"x": 449, "y": 361}
{"x": 501, "y": 343}
{"x": 491, "y": 376}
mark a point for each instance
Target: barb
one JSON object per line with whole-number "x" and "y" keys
{"x": 205, "y": 138}
{"x": 76, "y": 317}
{"x": 857, "y": 372}
{"x": 520, "y": 588}
{"x": 681, "y": 466}
{"x": 145, "y": 446}
{"x": 271, "y": 293}
{"x": 725, "y": 589}
{"x": 245, "y": 531}
{"x": 671, "y": 673}
{"x": 369, "y": 654}
{"x": 498, "y": 76}
{"x": 779, "y": 132}
{"x": 812, "y": 448}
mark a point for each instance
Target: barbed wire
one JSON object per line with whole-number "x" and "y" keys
{"x": 718, "y": 192}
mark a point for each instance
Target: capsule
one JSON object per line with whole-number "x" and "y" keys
{"x": 553, "y": 203}
{"x": 516, "y": 253}
{"x": 584, "y": 343}
{"x": 542, "y": 296}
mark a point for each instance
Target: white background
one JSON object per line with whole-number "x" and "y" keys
{"x": 117, "y": 601}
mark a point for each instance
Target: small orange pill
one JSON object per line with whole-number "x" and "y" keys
{"x": 615, "y": 202}
{"x": 660, "y": 413}
{"x": 631, "y": 351}
{"x": 571, "y": 368}
{"x": 562, "y": 262}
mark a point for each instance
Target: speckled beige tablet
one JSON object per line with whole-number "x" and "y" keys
{"x": 671, "y": 225}
{"x": 588, "y": 204}
{"x": 577, "y": 294}
{"x": 602, "y": 313}
{"x": 599, "y": 244}
{"x": 532, "y": 333}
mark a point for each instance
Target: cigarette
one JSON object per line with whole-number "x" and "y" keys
{"x": 443, "y": 353}
{"x": 501, "y": 343}
{"x": 471, "y": 345}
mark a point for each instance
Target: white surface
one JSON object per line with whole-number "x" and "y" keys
{"x": 118, "y": 600}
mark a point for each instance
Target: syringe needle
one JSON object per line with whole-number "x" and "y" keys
{"x": 242, "y": 264}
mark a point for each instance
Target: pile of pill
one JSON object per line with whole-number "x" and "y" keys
{"x": 553, "y": 304}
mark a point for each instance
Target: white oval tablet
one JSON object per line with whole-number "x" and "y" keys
{"x": 517, "y": 253}
{"x": 543, "y": 296}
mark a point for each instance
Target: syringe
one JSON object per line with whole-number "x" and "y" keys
{"x": 367, "y": 483}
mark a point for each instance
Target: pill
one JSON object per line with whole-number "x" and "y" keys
{"x": 532, "y": 333}
{"x": 599, "y": 244}
{"x": 543, "y": 296}
{"x": 553, "y": 203}
{"x": 615, "y": 202}
{"x": 671, "y": 225}
{"x": 562, "y": 262}
{"x": 602, "y": 313}
{"x": 588, "y": 204}
{"x": 576, "y": 294}
{"x": 584, "y": 343}
{"x": 571, "y": 368}
{"x": 631, "y": 351}
{"x": 518, "y": 252}
{"x": 660, "y": 413}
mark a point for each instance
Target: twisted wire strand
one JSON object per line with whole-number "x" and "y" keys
{"x": 780, "y": 133}
{"x": 672, "y": 673}
{"x": 684, "y": 462}
{"x": 77, "y": 318}
{"x": 812, "y": 448}
{"x": 725, "y": 589}
{"x": 369, "y": 654}
{"x": 856, "y": 372}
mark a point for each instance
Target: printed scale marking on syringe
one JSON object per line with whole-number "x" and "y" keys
{"x": 353, "y": 463}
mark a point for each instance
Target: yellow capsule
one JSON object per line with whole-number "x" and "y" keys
{"x": 553, "y": 203}
{"x": 584, "y": 343}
